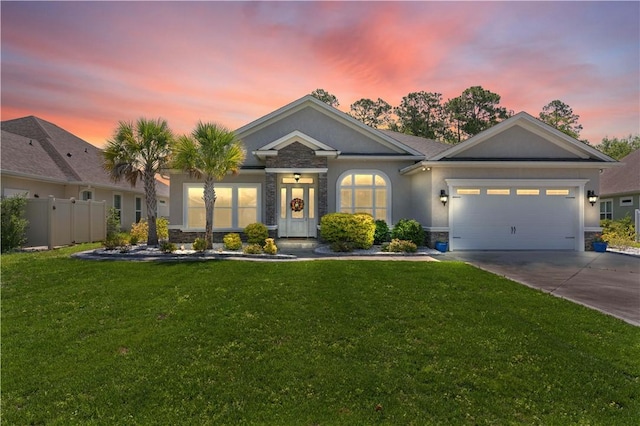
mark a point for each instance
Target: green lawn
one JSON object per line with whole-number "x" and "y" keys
{"x": 304, "y": 343}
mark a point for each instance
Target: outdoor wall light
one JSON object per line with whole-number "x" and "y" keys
{"x": 592, "y": 197}
{"x": 296, "y": 176}
{"x": 444, "y": 197}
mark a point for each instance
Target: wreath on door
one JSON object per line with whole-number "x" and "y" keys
{"x": 297, "y": 204}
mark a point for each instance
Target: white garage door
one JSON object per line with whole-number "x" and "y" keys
{"x": 513, "y": 218}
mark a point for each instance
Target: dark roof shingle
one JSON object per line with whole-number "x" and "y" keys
{"x": 624, "y": 179}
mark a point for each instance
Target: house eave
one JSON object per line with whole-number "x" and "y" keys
{"x": 509, "y": 164}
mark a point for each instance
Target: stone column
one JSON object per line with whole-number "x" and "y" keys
{"x": 271, "y": 199}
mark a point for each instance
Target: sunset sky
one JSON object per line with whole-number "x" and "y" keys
{"x": 87, "y": 65}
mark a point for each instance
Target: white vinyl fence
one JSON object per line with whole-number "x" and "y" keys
{"x": 638, "y": 225}
{"x": 55, "y": 222}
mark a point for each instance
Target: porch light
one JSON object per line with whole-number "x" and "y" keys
{"x": 444, "y": 197}
{"x": 591, "y": 195}
{"x": 296, "y": 176}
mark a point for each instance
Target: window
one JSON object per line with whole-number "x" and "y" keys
{"x": 606, "y": 209}
{"x": 117, "y": 205}
{"x": 527, "y": 191}
{"x": 626, "y": 201}
{"x": 467, "y": 191}
{"x": 86, "y": 195}
{"x": 138, "y": 209}
{"x": 236, "y": 206}
{"x": 498, "y": 191}
{"x": 365, "y": 192}
{"x": 561, "y": 192}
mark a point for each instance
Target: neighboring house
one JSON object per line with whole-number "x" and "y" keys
{"x": 518, "y": 185}
{"x": 620, "y": 188}
{"x": 42, "y": 160}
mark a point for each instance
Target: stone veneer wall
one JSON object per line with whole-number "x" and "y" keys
{"x": 432, "y": 237}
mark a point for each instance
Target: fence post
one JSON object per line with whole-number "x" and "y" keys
{"x": 51, "y": 210}
{"x": 637, "y": 225}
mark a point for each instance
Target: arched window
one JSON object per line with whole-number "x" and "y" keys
{"x": 365, "y": 191}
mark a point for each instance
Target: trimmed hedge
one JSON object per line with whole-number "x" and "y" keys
{"x": 409, "y": 230}
{"x": 356, "y": 229}
{"x": 256, "y": 233}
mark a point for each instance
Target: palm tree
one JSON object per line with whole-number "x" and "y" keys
{"x": 211, "y": 152}
{"x": 140, "y": 151}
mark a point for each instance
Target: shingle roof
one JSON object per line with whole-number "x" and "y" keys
{"x": 36, "y": 147}
{"x": 624, "y": 179}
{"x": 428, "y": 147}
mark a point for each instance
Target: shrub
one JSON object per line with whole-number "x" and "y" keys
{"x": 113, "y": 223}
{"x": 410, "y": 230}
{"x": 382, "y": 232}
{"x": 200, "y": 244}
{"x": 14, "y": 225}
{"x": 232, "y": 241}
{"x": 619, "y": 233}
{"x": 252, "y": 249}
{"x": 167, "y": 247}
{"x": 270, "y": 246}
{"x": 119, "y": 240}
{"x": 401, "y": 246}
{"x": 140, "y": 230}
{"x": 341, "y": 246}
{"x": 256, "y": 233}
{"x": 356, "y": 229}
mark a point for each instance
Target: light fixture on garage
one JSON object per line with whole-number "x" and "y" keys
{"x": 444, "y": 197}
{"x": 592, "y": 197}
{"x": 296, "y": 176}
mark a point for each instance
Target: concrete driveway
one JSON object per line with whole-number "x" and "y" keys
{"x": 608, "y": 282}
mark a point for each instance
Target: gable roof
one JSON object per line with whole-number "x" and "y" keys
{"x": 35, "y": 148}
{"x": 309, "y": 101}
{"x": 579, "y": 150}
{"x": 624, "y": 179}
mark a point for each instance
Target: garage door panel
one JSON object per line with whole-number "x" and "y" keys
{"x": 512, "y": 222}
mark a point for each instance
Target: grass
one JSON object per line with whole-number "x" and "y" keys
{"x": 305, "y": 343}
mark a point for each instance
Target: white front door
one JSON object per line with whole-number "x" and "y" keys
{"x": 297, "y": 216}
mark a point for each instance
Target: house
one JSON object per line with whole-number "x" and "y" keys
{"x": 620, "y": 188}
{"x": 518, "y": 185}
{"x": 40, "y": 160}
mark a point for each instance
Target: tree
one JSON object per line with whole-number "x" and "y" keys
{"x": 472, "y": 112}
{"x": 140, "y": 151}
{"x": 326, "y": 97}
{"x": 376, "y": 114}
{"x": 422, "y": 114}
{"x": 211, "y": 151}
{"x": 619, "y": 148}
{"x": 560, "y": 115}
{"x": 14, "y": 226}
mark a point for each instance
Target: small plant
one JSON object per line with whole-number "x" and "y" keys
{"x": 252, "y": 249}
{"x": 14, "y": 225}
{"x": 256, "y": 233}
{"x": 270, "y": 246}
{"x": 167, "y": 247}
{"x": 382, "y": 232}
{"x": 113, "y": 223}
{"x": 140, "y": 230}
{"x": 410, "y": 230}
{"x": 119, "y": 241}
{"x": 401, "y": 246}
{"x": 200, "y": 245}
{"x": 232, "y": 241}
{"x": 598, "y": 238}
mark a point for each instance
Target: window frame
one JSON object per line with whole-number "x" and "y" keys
{"x": 119, "y": 210}
{"x": 373, "y": 172}
{"x": 626, "y": 201}
{"x": 138, "y": 211}
{"x": 604, "y": 202}
{"x": 235, "y": 209}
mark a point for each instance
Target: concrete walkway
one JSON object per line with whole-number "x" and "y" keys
{"x": 607, "y": 282}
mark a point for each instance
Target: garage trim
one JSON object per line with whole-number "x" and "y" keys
{"x": 578, "y": 184}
